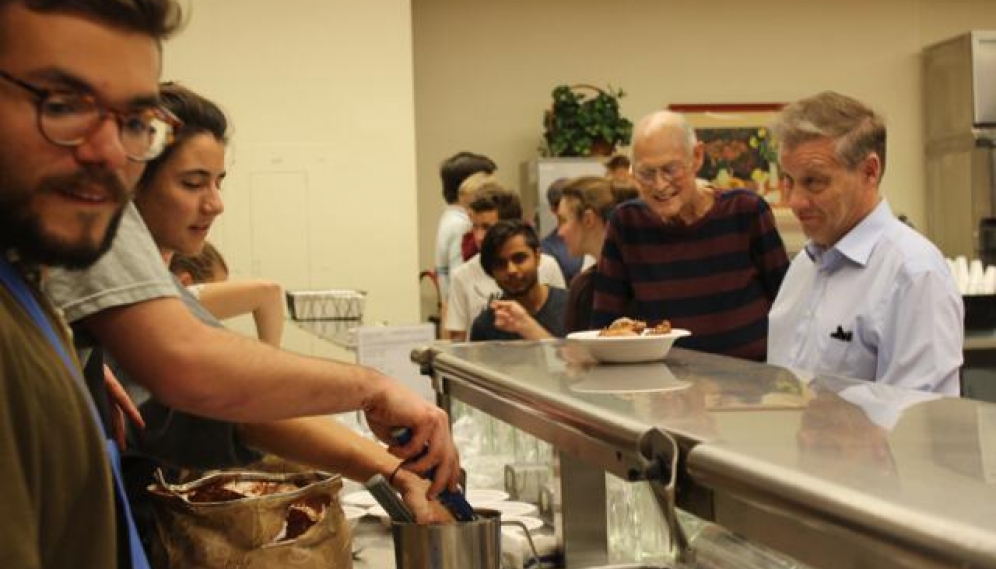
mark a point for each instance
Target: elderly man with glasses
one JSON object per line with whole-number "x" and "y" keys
{"x": 709, "y": 261}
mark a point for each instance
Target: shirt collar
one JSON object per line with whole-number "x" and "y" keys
{"x": 858, "y": 243}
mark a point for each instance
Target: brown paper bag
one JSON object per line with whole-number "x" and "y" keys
{"x": 252, "y": 520}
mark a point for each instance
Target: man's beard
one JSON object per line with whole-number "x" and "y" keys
{"x": 521, "y": 289}
{"x": 24, "y": 231}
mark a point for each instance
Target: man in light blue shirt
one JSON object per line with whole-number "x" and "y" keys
{"x": 868, "y": 297}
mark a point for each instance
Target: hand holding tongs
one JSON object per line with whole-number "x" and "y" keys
{"x": 389, "y": 500}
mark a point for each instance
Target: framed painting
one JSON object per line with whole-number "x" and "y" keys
{"x": 739, "y": 153}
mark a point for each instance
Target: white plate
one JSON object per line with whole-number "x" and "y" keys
{"x": 353, "y": 514}
{"x": 510, "y": 508}
{"x": 531, "y": 523}
{"x": 485, "y": 496}
{"x": 627, "y": 349}
{"x": 379, "y": 513}
{"x": 361, "y": 499}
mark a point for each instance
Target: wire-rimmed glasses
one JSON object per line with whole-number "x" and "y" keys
{"x": 669, "y": 172}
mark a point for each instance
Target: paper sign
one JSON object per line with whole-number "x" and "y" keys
{"x": 388, "y": 350}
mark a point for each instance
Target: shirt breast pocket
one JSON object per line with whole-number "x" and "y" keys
{"x": 835, "y": 356}
{"x": 846, "y": 356}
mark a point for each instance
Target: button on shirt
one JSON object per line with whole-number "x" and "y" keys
{"x": 880, "y": 305}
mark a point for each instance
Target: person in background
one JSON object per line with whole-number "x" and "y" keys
{"x": 617, "y": 168}
{"x": 510, "y": 254}
{"x": 73, "y": 117}
{"x": 179, "y": 190}
{"x": 583, "y": 214}
{"x": 200, "y": 369}
{"x": 208, "y": 266}
{"x": 868, "y": 297}
{"x": 224, "y": 299}
{"x": 709, "y": 261}
{"x": 468, "y": 189}
{"x": 553, "y": 243}
{"x": 624, "y": 189}
{"x": 455, "y": 222}
{"x": 471, "y": 287}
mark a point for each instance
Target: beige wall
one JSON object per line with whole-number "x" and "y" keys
{"x": 321, "y": 191}
{"x": 322, "y": 187}
{"x": 484, "y": 69}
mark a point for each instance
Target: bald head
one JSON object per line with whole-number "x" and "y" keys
{"x": 663, "y": 127}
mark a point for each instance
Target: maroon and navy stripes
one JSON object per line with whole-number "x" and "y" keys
{"x": 717, "y": 277}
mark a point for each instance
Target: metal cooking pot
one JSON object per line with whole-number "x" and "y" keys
{"x": 462, "y": 545}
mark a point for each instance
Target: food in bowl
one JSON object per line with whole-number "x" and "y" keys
{"x": 629, "y": 348}
{"x": 624, "y": 326}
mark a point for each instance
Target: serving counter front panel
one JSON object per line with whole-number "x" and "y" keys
{"x": 837, "y": 473}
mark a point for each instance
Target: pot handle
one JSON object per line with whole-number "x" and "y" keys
{"x": 529, "y": 538}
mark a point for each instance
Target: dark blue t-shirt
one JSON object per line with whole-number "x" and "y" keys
{"x": 552, "y": 316}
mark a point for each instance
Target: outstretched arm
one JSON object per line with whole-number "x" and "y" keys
{"x": 326, "y": 444}
{"x": 263, "y": 299}
{"x": 510, "y": 316}
{"x": 211, "y": 372}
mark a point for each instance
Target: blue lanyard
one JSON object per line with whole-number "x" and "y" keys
{"x": 16, "y": 285}
{"x": 14, "y": 282}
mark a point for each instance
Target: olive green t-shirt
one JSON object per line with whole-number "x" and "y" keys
{"x": 56, "y": 495}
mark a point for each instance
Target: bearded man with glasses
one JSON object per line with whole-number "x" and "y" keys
{"x": 709, "y": 261}
{"x": 79, "y": 101}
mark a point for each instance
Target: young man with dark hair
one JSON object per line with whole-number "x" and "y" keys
{"x": 471, "y": 286}
{"x": 79, "y": 100}
{"x": 510, "y": 254}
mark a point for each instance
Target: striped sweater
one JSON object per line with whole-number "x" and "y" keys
{"x": 717, "y": 277}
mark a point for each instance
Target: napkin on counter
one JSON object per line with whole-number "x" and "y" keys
{"x": 516, "y": 554}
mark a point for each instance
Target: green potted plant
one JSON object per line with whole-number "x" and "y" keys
{"x": 584, "y": 121}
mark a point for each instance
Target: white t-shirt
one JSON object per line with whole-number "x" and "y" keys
{"x": 471, "y": 287}
{"x": 453, "y": 224}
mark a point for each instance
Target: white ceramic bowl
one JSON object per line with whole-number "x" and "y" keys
{"x": 485, "y": 496}
{"x": 510, "y": 508}
{"x": 353, "y": 515}
{"x": 378, "y": 512}
{"x": 627, "y": 349}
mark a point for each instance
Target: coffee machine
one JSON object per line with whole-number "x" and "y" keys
{"x": 959, "y": 77}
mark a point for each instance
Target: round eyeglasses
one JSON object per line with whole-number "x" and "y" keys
{"x": 67, "y": 118}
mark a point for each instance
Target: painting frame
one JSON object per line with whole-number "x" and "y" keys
{"x": 739, "y": 153}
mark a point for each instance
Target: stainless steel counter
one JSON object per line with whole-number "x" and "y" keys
{"x": 838, "y": 473}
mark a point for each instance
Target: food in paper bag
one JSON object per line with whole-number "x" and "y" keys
{"x": 252, "y": 519}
